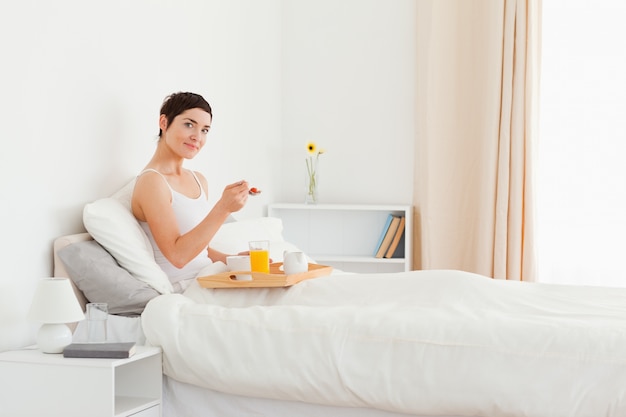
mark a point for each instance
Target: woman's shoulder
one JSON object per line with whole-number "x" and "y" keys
{"x": 151, "y": 182}
{"x": 151, "y": 190}
{"x": 150, "y": 172}
{"x": 150, "y": 177}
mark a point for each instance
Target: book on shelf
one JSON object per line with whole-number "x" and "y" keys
{"x": 382, "y": 234}
{"x": 393, "y": 246}
{"x": 399, "y": 252}
{"x": 112, "y": 350}
{"x": 388, "y": 235}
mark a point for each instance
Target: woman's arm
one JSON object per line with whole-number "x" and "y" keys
{"x": 151, "y": 203}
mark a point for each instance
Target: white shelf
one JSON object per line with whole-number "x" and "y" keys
{"x": 342, "y": 207}
{"x": 344, "y": 235}
{"x": 356, "y": 259}
{"x": 129, "y": 406}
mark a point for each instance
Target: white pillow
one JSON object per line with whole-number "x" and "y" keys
{"x": 233, "y": 238}
{"x": 111, "y": 223}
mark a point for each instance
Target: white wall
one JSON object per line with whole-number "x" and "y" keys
{"x": 82, "y": 82}
{"x": 349, "y": 85}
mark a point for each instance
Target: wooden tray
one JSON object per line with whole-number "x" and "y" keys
{"x": 276, "y": 277}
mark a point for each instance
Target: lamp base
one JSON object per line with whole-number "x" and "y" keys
{"x": 53, "y": 337}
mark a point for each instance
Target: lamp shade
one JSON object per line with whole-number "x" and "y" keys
{"x": 55, "y": 302}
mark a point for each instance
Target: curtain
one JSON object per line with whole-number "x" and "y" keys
{"x": 477, "y": 81}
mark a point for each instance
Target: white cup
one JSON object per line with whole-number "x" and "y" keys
{"x": 239, "y": 263}
{"x": 294, "y": 262}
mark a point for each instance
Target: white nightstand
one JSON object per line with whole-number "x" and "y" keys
{"x": 41, "y": 384}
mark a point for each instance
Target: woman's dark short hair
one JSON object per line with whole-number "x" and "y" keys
{"x": 176, "y": 103}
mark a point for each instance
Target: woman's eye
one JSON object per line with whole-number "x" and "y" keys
{"x": 205, "y": 131}
{"x": 189, "y": 125}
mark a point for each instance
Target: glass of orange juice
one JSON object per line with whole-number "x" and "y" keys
{"x": 260, "y": 256}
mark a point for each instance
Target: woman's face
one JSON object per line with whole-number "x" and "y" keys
{"x": 186, "y": 134}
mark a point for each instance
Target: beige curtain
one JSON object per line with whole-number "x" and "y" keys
{"x": 477, "y": 104}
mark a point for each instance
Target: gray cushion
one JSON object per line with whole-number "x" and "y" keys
{"x": 96, "y": 273}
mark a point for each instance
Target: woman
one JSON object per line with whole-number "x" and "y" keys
{"x": 170, "y": 202}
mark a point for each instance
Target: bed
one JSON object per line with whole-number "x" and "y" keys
{"x": 419, "y": 343}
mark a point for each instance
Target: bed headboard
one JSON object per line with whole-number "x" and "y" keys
{"x": 59, "y": 268}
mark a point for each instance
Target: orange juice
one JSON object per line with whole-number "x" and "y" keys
{"x": 260, "y": 261}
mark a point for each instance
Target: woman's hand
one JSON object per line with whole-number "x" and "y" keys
{"x": 234, "y": 196}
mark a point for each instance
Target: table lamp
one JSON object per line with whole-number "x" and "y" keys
{"x": 55, "y": 304}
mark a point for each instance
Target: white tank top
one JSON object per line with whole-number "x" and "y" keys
{"x": 189, "y": 212}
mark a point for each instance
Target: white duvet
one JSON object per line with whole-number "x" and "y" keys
{"x": 421, "y": 343}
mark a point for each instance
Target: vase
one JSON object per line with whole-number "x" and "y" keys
{"x": 312, "y": 185}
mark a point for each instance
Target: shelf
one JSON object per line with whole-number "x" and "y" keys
{"x": 342, "y": 207}
{"x": 344, "y": 235}
{"x": 137, "y": 383}
{"x": 127, "y": 406}
{"x": 356, "y": 259}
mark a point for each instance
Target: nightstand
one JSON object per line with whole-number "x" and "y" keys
{"x": 43, "y": 384}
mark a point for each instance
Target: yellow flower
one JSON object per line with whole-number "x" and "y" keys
{"x": 311, "y": 168}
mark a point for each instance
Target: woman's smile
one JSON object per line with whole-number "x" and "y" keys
{"x": 191, "y": 146}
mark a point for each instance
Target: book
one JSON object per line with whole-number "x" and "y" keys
{"x": 396, "y": 238}
{"x": 383, "y": 233}
{"x": 113, "y": 350}
{"x": 399, "y": 252}
{"x": 389, "y": 234}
